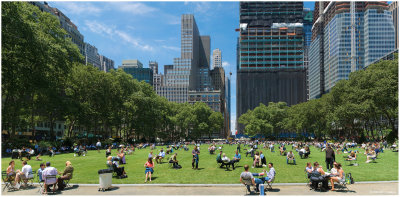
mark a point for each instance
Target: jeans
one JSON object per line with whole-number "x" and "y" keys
{"x": 294, "y": 161}
{"x": 259, "y": 181}
{"x": 195, "y": 160}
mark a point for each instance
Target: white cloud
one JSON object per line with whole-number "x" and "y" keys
{"x": 103, "y": 29}
{"x": 202, "y": 7}
{"x": 225, "y": 64}
{"x": 171, "y": 48}
{"x": 134, "y": 8}
{"x": 76, "y": 8}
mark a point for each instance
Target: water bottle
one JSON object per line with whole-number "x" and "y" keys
{"x": 261, "y": 187}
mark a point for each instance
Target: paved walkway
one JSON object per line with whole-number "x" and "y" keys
{"x": 381, "y": 188}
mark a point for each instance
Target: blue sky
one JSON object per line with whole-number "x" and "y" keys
{"x": 150, "y": 31}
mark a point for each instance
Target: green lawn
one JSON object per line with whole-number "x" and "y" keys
{"x": 386, "y": 167}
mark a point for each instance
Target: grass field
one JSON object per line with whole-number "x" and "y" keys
{"x": 85, "y": 168}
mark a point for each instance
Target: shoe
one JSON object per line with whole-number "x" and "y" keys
{"x": 17, "y": 185}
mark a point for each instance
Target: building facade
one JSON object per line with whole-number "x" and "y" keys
{"x": 394, "y": 8}
{"x": 106, "y": 63}
{"x": 135, "y": 68}
{"x": 339, "y": 48}
{"x": 216, "y": 58}
{"x": 92, "y": 56}
{"x": 72, "y": 30}
{"x": 271, "y": 55}
{"x": 132, "y": 64}
{"x": 189, "y": 78}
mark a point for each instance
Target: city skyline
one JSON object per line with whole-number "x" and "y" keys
{"x": 153, "y": 33}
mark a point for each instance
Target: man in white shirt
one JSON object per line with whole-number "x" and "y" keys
{"x": 25, "y": 173}
{"x": 227, "y": 161}
{"x": 98, "y": 145}
{"x": 160, "y": 156}
{"x": 48, "y": 171}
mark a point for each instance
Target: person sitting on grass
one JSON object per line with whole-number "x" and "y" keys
{"x": 290, "y": 156}
{"x": 160, "y": 156}
{"x": 40, "y": 171}
{"x": 211, "y": 149}
{"x": 338, "y": 176}
{"x": 352, "y": 156}
{"x": 113, "y": 162}
{"x": 237, "y": 156}
{"x": 302, "y": 152}
{"x": 108, "y": 151}
{"x": 77, "y": 151}
{"x": 49, "y": 171}
{"x": 256, "y": 159}
{"x": 149, "y": 165}
{"x": 371, "y": 155}
{"x": 263, "y": 159}
{"x": 271, "y": 147}
{"x": 121, "y": 156}
{"x": 150, "y": 154}
{"x": 251, "y": 152}
{"x": 246, "y": 178}
{"x": 174, "y": 161}
{"x": 66, "y": 175}
{"x": 307, "y": 152}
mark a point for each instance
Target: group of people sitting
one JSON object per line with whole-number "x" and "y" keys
{"x": 21, "y": 153}
{"x": 316, "y": 174}
{"x": 247, "y": 178}
{"x": 226, "y": 161}
{"x": 26, "y": 173}
{"x": 113, "y": 163}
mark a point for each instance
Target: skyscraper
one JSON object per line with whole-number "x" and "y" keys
{"x": 216, "y": 58}
{"x": 394, "y": 8}
{"x": 271, "y": 55}
{"x": 189, "y": 78}
{"x": 347, "y": 36}
{"x": 191, "y": 70}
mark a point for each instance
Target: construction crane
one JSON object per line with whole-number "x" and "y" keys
{"x": 353, "y": 35}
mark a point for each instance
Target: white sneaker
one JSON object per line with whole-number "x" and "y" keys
{"x": 74, "y": 155}
{"x": 17, "y": 185}
{"x": 252, "y": 167}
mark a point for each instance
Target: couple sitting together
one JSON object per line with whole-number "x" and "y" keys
{"x": 247, "y": 178}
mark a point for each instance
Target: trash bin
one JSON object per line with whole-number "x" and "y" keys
{"x": 105, "y": 179}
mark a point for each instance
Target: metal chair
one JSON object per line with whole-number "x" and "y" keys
{"x": 269, "y": 183}
{"x": 30, "y": 178}
{"x": 48, "y": 186}
{"x": 8, "y": 180}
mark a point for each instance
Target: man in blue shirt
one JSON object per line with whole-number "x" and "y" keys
{"x": 237, "y": 157}
{"x": 40, "y": 172}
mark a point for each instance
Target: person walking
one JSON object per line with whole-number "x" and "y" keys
{"x": 98, "y": 145}
{"x": 195, "y": 159}
{"x": 329, "y": 157}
